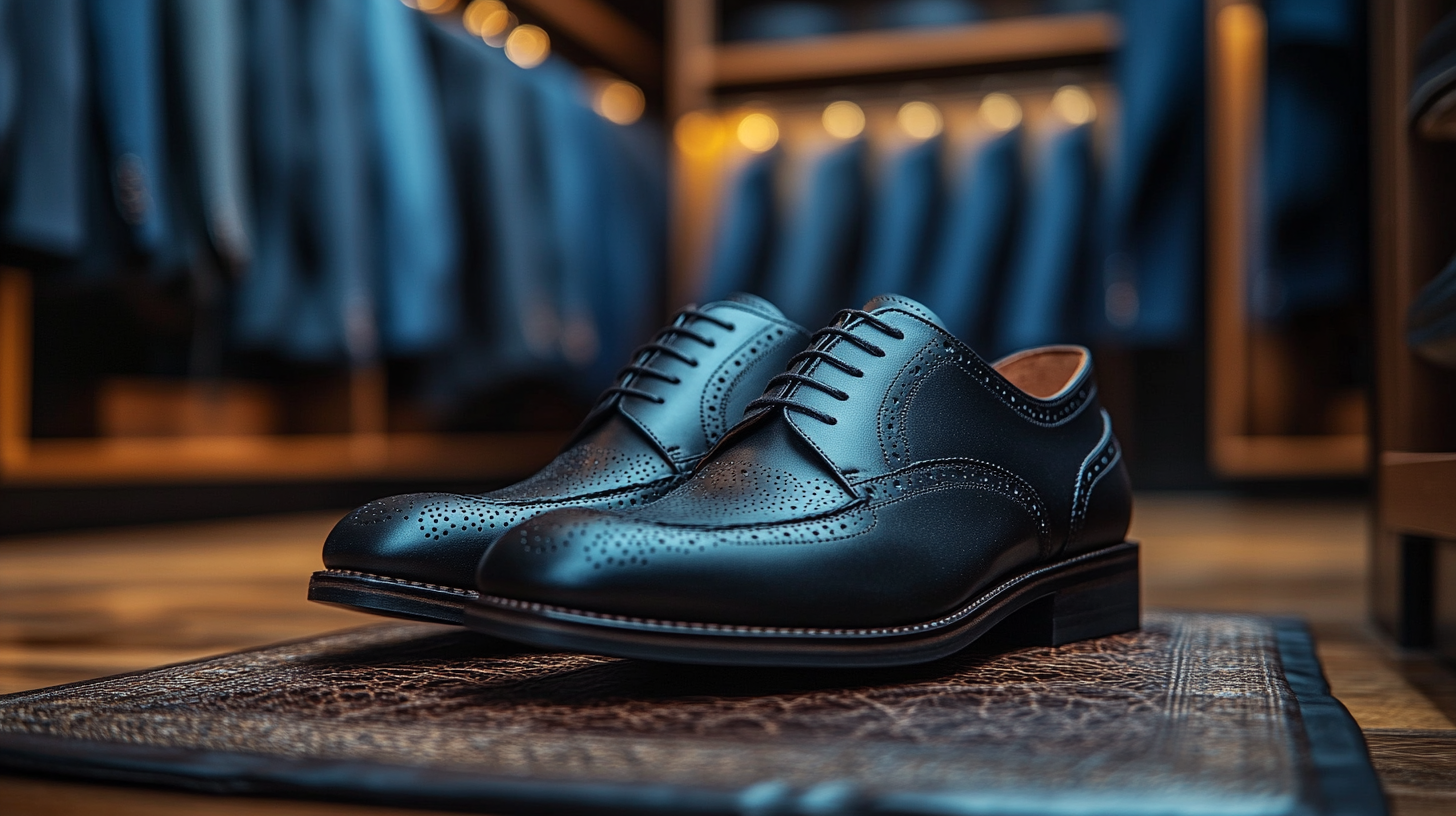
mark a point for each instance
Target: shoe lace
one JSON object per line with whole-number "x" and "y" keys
{"x": 816, "y": 351}
{"x": 647, "y": 354}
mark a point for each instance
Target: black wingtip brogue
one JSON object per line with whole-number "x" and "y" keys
{"x": 890, "y": 498}
{"x": 415, "y": 556}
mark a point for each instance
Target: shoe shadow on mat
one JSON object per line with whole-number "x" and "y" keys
{"x": 465, "y": 678}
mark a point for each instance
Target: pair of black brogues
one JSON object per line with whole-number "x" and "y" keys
{"x": 882, "y": 496}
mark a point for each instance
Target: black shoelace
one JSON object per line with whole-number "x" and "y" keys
{"x": 645, "y": 355}
{"x": 794, "y": 375}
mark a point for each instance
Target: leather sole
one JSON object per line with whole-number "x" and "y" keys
{"x": 394, "y": 597}
{"x": 1087, "y": 596}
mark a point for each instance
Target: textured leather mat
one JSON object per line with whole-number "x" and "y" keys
{"x": 1195, "y": 714}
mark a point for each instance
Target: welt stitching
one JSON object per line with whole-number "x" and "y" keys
{"x": 402, "y": 581}
{"x": 692, "y": 627}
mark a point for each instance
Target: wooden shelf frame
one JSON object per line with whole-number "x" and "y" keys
{"x": 365, "y": 453}
{"x": 1236, "y": 77}
{"x": 1414, "y": 194}
{"x": 865, "y": 53}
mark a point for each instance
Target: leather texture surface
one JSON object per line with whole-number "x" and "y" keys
{"x": 642, "y": 439}
{"x": 1190, "y": 715}
{"x": 888, "y": 477}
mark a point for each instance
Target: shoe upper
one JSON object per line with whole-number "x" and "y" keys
{"x": 669, "y": 405}
{"x": 885, "y": 478}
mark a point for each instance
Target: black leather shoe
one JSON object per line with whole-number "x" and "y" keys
{"x": 415, "y": 556}
{"x": 891, "y": 498}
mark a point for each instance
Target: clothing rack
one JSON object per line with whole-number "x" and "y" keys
{"x": 365, "y": 451}
{"x": 706, "y": 74}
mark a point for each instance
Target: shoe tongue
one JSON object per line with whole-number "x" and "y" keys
{"x": 755, "y": 303}
{"x": 903, "y": 303}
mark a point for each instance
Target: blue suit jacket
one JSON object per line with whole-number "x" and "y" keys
{"x": 970, "y": 260}
{"x": 907, "y": 211}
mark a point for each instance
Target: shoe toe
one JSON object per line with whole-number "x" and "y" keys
{"x": 435, "y": 538}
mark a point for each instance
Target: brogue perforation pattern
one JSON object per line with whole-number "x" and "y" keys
{"x": 725, "y": 382}
{"x": 945, "y": 474}
{"x": 728, "y": 490}
{"x": 585, "y": 470}
{"x": 1098, "y": 463}
{"x": 436, "y": 519}
{"x": 1045, "y": 413}
{"x": 626, "y": 543}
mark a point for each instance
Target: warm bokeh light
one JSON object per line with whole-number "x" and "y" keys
{"x": 619, "y": 101}
{"x": 843, "y": 119}
{"x": 999, "y": 112}
{"x": 528, "y": 46}
{"x": 496, "y": 27}
{"x": 758, "y": 132}
{"x": 698, "y": 134}
{"x": 919, "y": 120}
{"x": 433, "y": 6}
{"x": 1074, "y": 104}
{"x": 478, "y": 12}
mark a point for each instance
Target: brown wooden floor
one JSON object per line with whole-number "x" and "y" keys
{"x": 81, "y": 605}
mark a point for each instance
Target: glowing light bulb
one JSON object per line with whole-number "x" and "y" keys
{"x": 434, "y": 6}
{"x": 698, "y": 134}
{"x": 999, "y": 112}
{"x": 758, "y": 132}
{"x": 528, "y": 46}
{"x": 1074, "y": 104}
{"x": 478, "y": 12}
{"x": 919, "y": 120}
{"x": 843, "y": 119}
{"x": 496, "y": 27}
{"x": 620, "y": 101}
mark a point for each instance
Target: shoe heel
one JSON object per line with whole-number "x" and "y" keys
{"x": 1107, "y": 602}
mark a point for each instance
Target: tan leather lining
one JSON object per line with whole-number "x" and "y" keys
{"x": 1042, "y": 373}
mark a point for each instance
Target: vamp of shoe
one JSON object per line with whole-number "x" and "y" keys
{"x": 890, "y": 499}
{"x": 415, "y": 556}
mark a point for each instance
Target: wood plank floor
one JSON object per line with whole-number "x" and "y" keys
{"x": 80, "y": 605}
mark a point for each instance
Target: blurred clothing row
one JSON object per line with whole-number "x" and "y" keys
{"x": 1036, "y": 244}
{"x": 340, "y": 179}
{"x": 1000, "y": 253}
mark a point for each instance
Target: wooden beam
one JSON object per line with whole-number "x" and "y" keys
{"x": 153, "y": 460}
{"x": 604, "y": 31}
{"x": 877, "y": 52}
{"x": 15, "y": 364}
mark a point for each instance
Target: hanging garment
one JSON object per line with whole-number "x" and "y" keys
{"x": 814, "y": 263}
{"x": 273, "y": 62}
{"x": 901, "y": 229}
{"x": 745, "y": 236}
{"x": 635, "y": 226}
{"x": 1048, "y": 268}
{"x": 309, "y": 292}
{"x": 1315, "y": 159}
{"x": 210, "y": 45}
{"x": 1431, "y": 320}
{"x": 1435, "y": 79}
{"x": 43, "y": 198}
{"x": 417, "y": 234}
{"x": 786, "y": 20}
{"x": 1151, "y": 279}
{"x": 9, "y": 72}
{"x": 920, "y": 13}
{"x": 505, "y": 283}
{"x": 970, "y": 259}
{"x": 576, "y": 197}
{"x": 127, "y": 67}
